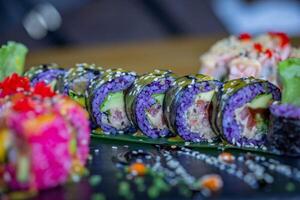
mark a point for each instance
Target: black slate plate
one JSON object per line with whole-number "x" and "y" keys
{"x": 106, "y": 163}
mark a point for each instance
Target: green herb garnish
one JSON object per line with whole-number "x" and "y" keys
{"x": 289, "y": 74}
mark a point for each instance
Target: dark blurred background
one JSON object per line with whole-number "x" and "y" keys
{"x": 51, "y": 23}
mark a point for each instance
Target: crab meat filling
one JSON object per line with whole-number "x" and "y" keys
{"x": 80, "y": 84}
{"x": 113, "y": 109}
{"x": 197, "y": 118}
{"x": 155, "y": 113}
{"x": 244, "y": 67}
{"x": 253, "y": 117}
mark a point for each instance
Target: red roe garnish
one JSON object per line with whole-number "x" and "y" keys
{"x": 23, "y": 105}
{"x": 258, "y": 47}
{"x": 245, "y": 36}
{"x": 43, "y": 90}
{"x": 269, "y": 53}
{"x": 283, "y": 38}
{"x": 14, "y": 84}
{"x": 16, "y": 97}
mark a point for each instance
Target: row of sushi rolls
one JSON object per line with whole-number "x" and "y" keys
{"x": 246, "y": 94}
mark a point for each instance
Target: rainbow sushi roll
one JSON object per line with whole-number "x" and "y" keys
{"x": 39, "y": 155}
{"x": 5, "y": 141}
{"x": 48, "y": 73}
{"x": 77, "y": 80}
{"x": 240, "y": 112}
{"x": 144, "y": 102}
{"x": 78, "y": 121}
{"x": 284, "y": 135}
{"x": 106, "y": 103}
{"x": 45, "y": 136}
{"x": 186, "y": 107}
{"x": 4, "y": 144}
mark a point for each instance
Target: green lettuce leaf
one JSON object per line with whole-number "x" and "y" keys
{"x": 289, "y": 74}
{"x": 12, "y": 58}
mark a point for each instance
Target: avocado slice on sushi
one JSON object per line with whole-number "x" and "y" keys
{"x": 106, "y": 101}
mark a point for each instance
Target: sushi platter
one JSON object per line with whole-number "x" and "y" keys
{"x": 231, "y": 130}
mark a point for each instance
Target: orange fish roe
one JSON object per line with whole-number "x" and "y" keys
{"x": 4, "y": 137}
{"x": 212, "y": 182}
{"x": 77, "y": 168}
{"x": 34, "y": 125}
{"x": 139, "y": 169}
{"x": 226, "y": 157}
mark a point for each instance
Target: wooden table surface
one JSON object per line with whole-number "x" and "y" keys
{"x": 178, "y": 54}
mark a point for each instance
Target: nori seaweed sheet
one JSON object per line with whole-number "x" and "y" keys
{"x": 284, "y": 135}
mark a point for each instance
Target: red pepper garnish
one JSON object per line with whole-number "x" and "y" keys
{"x": 14, "y": 84}
{"x": 16, "y": 97}
{"x": 23, "y": 105}
{"x": 258, "y": 47}
{"x": 269, "y": 53}
{"x": 283, "y": 38}
{"x": 245, "y": 36}
{"x": 43, "y": 90}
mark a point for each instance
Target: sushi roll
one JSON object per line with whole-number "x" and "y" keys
{"x": 240, "y": 112}
{"x": 78, "y": 122}
{"x": 106, "y": 103}
{"x": 77, "y": 80}
{"x": 49, "y": 73}
{"x": 39, "y": 156}
{"x": 215, "y": 61}
{"x": 284, "y": 136}
{"x": 44, "y": 136}
{"x": 186, "y": 107}
{"x": 4, "y": 144}
{"x": 144, "y": 102}
{"x": 279, "y": 42}
{"x": 244, "y": 56}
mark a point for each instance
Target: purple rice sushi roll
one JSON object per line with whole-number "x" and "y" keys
{"x": 284, "y": 136}
{"x": 49, "y": 73}
{"x": 186, "y": 107}
{"x": 77, "y": 80}
{"x": 106, "y": 104}
{"x": 144, "y": 102}
{"x": 240, "y": 113}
